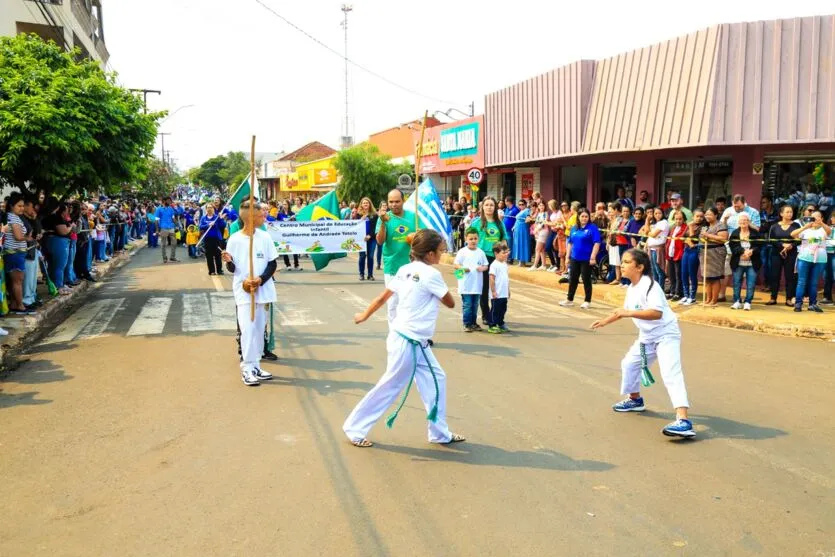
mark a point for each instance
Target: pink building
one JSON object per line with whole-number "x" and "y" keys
{"x": 735, "y": 108}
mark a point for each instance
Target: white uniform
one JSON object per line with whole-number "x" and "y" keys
{"x": 420, "y": 288}
{"x": 252, "y": 332}
{"x": 661, "y": 339}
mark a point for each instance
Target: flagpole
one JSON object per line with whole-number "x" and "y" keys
{"x": 418, "y": 161}
{"x": 220, "y": 213}
{"x": 251, "y": 225}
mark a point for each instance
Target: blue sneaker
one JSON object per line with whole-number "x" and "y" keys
{"x": 630, "y": 405}
{"x": 679, "y": 428}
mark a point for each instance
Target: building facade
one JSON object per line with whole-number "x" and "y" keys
{"x": 69, "y": 23}
{"x": 398, "y": 143}
{"x": 735, "y": 108}
{"x": 448, "y": 152}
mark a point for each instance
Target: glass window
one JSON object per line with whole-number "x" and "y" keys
{"x": 574, "y": 183}
{"x": 798, "y": 182}
{"x": 508, "y": 182}
{"x": 676, "y": 177}
{"x": 613, "y": 176}
{"x": 711, "y": 179}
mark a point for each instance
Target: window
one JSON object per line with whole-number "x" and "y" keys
{"x": 698, "y": 181}
{"x": 613, "y": 176}
{"x": 574, "y": 183}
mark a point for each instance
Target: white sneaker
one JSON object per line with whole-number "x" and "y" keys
{"x": 3, "y": 332}
{"x": 567, "y": 303}
{"x": 683, "y": 301}
{"x": 249, "y": 379}
{"x": 551, "y": 269}
{"x": 747, "y": 306}
{"x": 262, "y": 375}
{"x": 585, "y": 305}
{"x": 542, "y": 268}
{"x": 688, "y": 302}
{"x": 288, "y": 268}
{"x": 736, "y": 305}
{"x": 531, "y": 269}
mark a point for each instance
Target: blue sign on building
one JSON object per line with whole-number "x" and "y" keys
{"x": 459, "y": 141}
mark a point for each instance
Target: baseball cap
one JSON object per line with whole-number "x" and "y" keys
{"x": 675, "y": 196}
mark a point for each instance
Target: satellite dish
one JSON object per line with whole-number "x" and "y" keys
{"x": 404, "y": 181}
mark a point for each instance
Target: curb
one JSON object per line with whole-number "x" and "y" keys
{"x": 31, "y": 328}
{"x": 615, "y": 296}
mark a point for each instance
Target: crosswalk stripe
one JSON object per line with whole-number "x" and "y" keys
{"x": 357, "y": 302}
{"x": 67, "y": 331}
{"x": 151, "y": 320}
{"x": 197, "y": 315}
{"x": 294, "y": 316}
{"x": 98, "y": 324}
{"x": 223, "y": 311}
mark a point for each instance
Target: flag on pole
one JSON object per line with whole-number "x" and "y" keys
{"x": 431, "y": 212}
{"x": 326, "y": 208}
{"x": 242, "y": 193}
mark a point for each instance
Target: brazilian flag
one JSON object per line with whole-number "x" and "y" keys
{"x": 326, "y": 208}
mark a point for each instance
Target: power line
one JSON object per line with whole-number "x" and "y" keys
{"x": 355, "y": 64}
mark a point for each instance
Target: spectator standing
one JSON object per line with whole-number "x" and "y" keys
{"x": 811, "y": 260}
{"x": 511, "y": 211}
{"x": 166, "y": 220}
{"x": 769, "y": 216}
{"x": 745, "y": 261}
{"x": 286, "y": 213}
{"x": 490, "y": 230}
{"x": 716, "y": 235}
{"x": 30, "y": 275}
{"x": 15, "y": 247}
{"x": 153, "y": 238}
{"x": 521, "y": 246}
{"x": 623, "y": 200}
{"x": 583, "y": 245}
{"x": 614, "y": 276}
{"x": 499, "y": 288}
{"x": 471, "y": 262}
{"x": 541, "y": 232}
{"x": 643, "y": 200}
{"x": 368, "y": 214}
{"x": 658, "y": 229}
{"x": 57, "y": 232}
{"x": 675, "y": 253}
{"x": 690, "y": 258}
{"x": 783, "y": 256}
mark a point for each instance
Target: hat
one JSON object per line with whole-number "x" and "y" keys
{"x": 675, "y": 196}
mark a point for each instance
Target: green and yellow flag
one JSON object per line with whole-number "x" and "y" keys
{"x": 326, "y": 208}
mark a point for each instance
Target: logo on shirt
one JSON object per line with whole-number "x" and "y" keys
{"x": 401, "y": 229}
{"x": 492, "y": 231}
{"x": 415, "y": 277}
{"x": 259, "y": 255}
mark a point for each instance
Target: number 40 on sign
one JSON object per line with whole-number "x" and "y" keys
{"x": 475, "y": 176}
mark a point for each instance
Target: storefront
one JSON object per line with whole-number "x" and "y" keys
{"x": 591, "y": 127}
{"x": 315, "y": 177}
{"x": 448, "y": 152}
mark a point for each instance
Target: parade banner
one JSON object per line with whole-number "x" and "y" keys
{"x": 318, "y": 237}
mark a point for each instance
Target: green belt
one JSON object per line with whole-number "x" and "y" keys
{"x": 433, "y": 413}
{"x": 646, "y": 377}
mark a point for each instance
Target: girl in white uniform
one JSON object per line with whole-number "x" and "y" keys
{"x": 658, "y": 338}
{"x": 420, "y": 288}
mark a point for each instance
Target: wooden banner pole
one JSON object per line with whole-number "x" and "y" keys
{"x": 251, "y": 225}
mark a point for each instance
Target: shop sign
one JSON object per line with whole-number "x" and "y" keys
{"x": 430, "y": 148}
{"x": 527, "y": 186}
{"x": 324, "y": 176}
{"x": 757, "y": 168}
{"x": 459, "y": 141}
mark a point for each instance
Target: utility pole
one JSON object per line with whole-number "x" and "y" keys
{"x": 346, "y": 141}
{"x": 162, "y": 135}
{"x": 145, "y": 96}
{"x": 472, "y": 109}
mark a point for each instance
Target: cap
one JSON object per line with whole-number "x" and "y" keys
{"x": 675, "y": 196}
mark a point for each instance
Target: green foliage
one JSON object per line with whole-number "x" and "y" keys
{"x": 222, "y": 172}
{"x": 159, "y": 180}
{"x": 65, "y": 126}
{"x": 365, "y": 172}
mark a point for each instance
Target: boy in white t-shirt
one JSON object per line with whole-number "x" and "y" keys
{"x": 499, "y": 289}
{"x": 470, "y": 263}
{"x": 264, "y": 260}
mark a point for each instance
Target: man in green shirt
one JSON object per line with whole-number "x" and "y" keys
{"x": 392, "y": 229}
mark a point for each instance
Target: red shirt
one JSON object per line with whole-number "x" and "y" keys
{"x": 675, "y": 248}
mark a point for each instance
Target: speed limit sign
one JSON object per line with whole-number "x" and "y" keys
{"x": 475, "y": 176}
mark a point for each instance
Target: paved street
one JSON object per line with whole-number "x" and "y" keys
{"x": 128, "y": 432}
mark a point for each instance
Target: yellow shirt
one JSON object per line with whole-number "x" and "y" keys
{"x": 274, "y": 212}
{"x": 192, "y": 238}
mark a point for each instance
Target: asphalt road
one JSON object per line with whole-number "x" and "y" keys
{"x": 129, "y": 432}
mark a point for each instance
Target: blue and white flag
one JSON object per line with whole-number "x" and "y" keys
{"x": 431, "y": 212}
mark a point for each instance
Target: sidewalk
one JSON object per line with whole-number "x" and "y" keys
{"x": 25, "y": 330}
{"x": 778, "y": 320}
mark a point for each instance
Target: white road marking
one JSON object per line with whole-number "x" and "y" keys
{"x": 151, "y": 320}
{"x": 67, "y": 331}
{"x": 223, "y": 311}
{"x": 218, "y": 284}
{"x": 197, "y": 314}
{"x": 357, "y": 302}
{"x": 293, "y": 316}
{"x": 98, "y": 324}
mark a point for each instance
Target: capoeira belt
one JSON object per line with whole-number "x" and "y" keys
{"x": 271, "y": 338}
{"x": 646, "y": 377}
{"x": 433, "y": 413}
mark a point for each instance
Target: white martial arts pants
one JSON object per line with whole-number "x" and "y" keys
{"x": 252, "y": 335}
{"x": 392, "y": 303}
{"x": 391, "y": 384}
{"x": 668, "y": 353}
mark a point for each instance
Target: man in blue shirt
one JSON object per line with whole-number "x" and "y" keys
{"x": 509, "y": 220}
{"x": 165, "y": 221}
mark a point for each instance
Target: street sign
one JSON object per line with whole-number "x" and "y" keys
{"x": 475, "y": 176}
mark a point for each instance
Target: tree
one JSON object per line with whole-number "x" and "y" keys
{"x": 364, "y": 172}
{"x": 160, "y": 180}
{"x": 236, "y": 168}
{"x": 65, "y": 126}
{"x": 209, "y": 173}
{"x": 223, "y": 172}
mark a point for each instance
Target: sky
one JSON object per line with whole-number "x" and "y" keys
{"x": 233, "y": 69}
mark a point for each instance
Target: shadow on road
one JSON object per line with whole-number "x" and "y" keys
{"x": 487, "y": 455}
{"x": 486, "y": 350}
{"x": 324, "y": 387}
{"x": 38, "y": 372}
{"x": 323, "y": 365}
{"x": 307, "y": 341}
{"x": 723, "y": 428}
{"x": 21, "y": 399}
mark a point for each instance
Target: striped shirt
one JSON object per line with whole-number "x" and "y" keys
{"x": 11, "y": 245}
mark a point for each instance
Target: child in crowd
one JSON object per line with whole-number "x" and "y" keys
{"x": 470, "y": 263}
{"x": 499, "y": 288}
{"x": 659, "y": 337}
{"x": 192, "y": 237}
{"x": 420, "y": 289}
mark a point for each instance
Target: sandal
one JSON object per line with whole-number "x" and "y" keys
{"x": 362, "y": 443}
{"x": 771, "y": 303}
{"x": 455, "y": 439}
